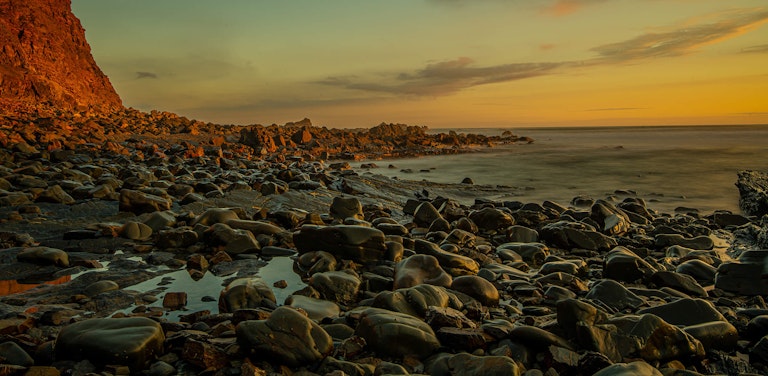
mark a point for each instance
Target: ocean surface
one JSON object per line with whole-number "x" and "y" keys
{"x": 670, "y": 167}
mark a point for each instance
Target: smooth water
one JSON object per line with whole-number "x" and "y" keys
{"x": 668, "y": 166}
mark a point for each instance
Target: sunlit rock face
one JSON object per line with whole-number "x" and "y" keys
{"x": 45, "y": 59}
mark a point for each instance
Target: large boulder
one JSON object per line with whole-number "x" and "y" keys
{"x": 416, "y": 300}
{"x": 340, "y": 287}
{"x": 44, "y": 256}
{"x": 133, "y": 341}
{"x": 569, "y": 235}
{"x": 452, "y": 263}
{"x": 356, "y": 243}
{"x": 246, "y": 293}
{"x": 396, "y": 334}
{"x": 612, "y": 219}
{"x": 419, "y": 269}
{"x": 286, "y": 337}
{"x": 753, "y": 192}
{"x": 624, "y": 265}
{"x": 745, "y": 276}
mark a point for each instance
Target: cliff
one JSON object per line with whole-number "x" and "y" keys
{"x": 45, "y": 59}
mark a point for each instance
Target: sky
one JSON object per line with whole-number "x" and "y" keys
{"x": 439, "y": 63}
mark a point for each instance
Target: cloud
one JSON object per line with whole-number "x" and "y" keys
{"x": 763, "y": 48}
{"x": 447, "y": 77}
{"x": 683, "y": 40}
{"x": 451, "y": 76}
{"x": 566, "y": 7}
{"x": 617, "y": 109}
{"x": 140, "y": 75}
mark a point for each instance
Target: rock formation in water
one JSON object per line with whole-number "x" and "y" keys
{"x": 46, "y": 60}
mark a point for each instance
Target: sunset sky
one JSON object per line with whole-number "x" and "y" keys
{"x": 440, "y": 63}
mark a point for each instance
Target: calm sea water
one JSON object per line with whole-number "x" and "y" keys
{"x": 668, "y": 166}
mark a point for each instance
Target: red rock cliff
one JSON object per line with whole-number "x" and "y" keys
{"x": 45, "y": 59}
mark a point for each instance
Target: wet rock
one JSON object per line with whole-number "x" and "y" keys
{"x": 569, "y": 235}
{"x": 531, "y": 253}
{"x": 246, "y": 293}
{"x": 11, "y": 353}
{"x": 340, "y": 287}
{"x": 233, "y": 241}
{"x": 99, "y": 287}
{"x": 176, "y": 238}
{"x": 651, "y": 338}
{"x": 478, "y": 288}
{"x": 439, "y": 317}
{"x": 537, "y": 338}
{"x": 686, "y": 312}
{"x": 491, "y": 219}
{"x": 44, "y": 256}
{"x": 419, "y": 269}
{"x": 522, "y": 234}
{"x": 425, "y": 214}
{"x": 624, "y": 265}
{"x": 753, "y": 192}
{"x": 139, "y": 202}
{"x": 699, "y": 242}
{"x": 702, "y": 272}
{"x": 452, "y": 263}
{"x": 416, "y": 300}
{"x": 286, "y": 337}
{"x": 316, "y": 309}
{"x": 612, "y": 219}
{"x": 346, "y": 207}
{"x": 629, "y": 369}
{"x": 135, "y": 231}
{"x": 133, "y": 341}
{"x": 680, "y": 282}
{"x": 381, "y": 328}
{"x": 216, "y": 215}
{"x": 55, "y": 194}
{"x": 316, "y": 262}
{"x": 464, "y": 364}
{"x": 357, "y": 243}
{"x": 718, "y": 335}
{"x": 614, "y": 295}
{"x": 746, "y": 276}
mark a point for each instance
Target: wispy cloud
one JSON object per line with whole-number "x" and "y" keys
{"x": 447, "y": 77}
{"x": 617, "y": 109}
{"x": 566, "y": 7}
{"x": 451, "y": 76}
{"x": 763, "y": 48}
{"x": 683, "y": 40}
{"x": 140, "y": 75}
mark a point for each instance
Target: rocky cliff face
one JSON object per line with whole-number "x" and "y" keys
{"x": 45, "y": 59}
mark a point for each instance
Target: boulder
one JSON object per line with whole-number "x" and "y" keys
{"x": 753, "y": 192}
{"x": 614, "y": 295}
{"x": 491, "y": 219}
{"x": 686, "y": 312}
{"x": 612, "y": 219}
{"x": 286, "y": 337}
{"x": 316, "y": 309}
{"x": 465, "y": 364}
{"x": 246, "y": 293}
{"x": 44, "y": 256}
{"x": 416, "y": 300}
{"x": 356, "y": 243}
{"x": 346, "y": 207}
{"x": 382, "y": 328}
{"x": 232, "y": 241}
{"x": 478, "y": 288}
{"x": 629, "y": 369}
{"x": 138, "y": 202}
{"x": 339, "y": 287}
{"x": 569, "y": 235}
{"x": 624, "y": 265}
{"x": 745, "y": 276}
{"x": 649, "y": 337}
{"x": 425, "y": 214}
{"x": 133, "y": 341}
{"x": 452, "y": 263}
{"x": 420, "y": 269}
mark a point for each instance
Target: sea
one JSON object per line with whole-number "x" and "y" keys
{"x": 672, "y": 167}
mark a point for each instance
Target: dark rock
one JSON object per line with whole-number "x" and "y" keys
{"x": 624, "y": 265}
{"x": 612, "y": 294}
{"x": 139, "y": 202}
{"x": 629, "y": 369}
{"x": 719, "y": 335}
{"x": 746, "y": 276}
{"x": 491, "y": 219}
{"x": 133, "y": 341}
{"x": 246, "y": 293}
{"x": 453, "y": 263}
{"x": 612, "y": 219}
{"x": 44, "y": 256}
{"x": 346, "y": 207}
{"x": 316, "y": 309}
{"x": 419, "y": 269}
{"x": 478, "y": 288}
{"x": 416, "y": 300}
{"x": 680, "y": 282}
{"x": 753, "y": 192}
{"x": 686, "y": 312}
{"x": 357, "y": 243}
{"x": 340, "y": 287}
{"x": 381, "y": 328}
{"x": 471, "y": 365}
{"x": 286, "y": 337}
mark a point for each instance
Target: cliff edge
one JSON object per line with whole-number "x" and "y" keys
{"x": 46, "y": 60}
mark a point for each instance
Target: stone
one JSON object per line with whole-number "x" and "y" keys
{"x": 160, "y": 220}
{"x": 715, "y": 335}
{"x": 99, "y": 287}
{"x": 416, "y": 300}
{"x": 680, "y": 282}
{"x": 286, "y": 337}
{"x": 55, "y": 194}
{"x": 381, "y": 328}
{"x": 44, "y": 256}
{"x": 216, "y": 215}
{"x": 356, "y": 243}
{"x": 419, "y": 269}
{"x": 614, "y": 295}
{"x": 649, "y": 337}
{"x": 465, "y": 364}
{"x": 613, "y": 220}
{"x": 686, "y": 312}
{"x": 346, "y": 207}
{"x": 132, "y": 341}
{"x": 530, "y": 253}
{"x": 425, "y": 214}
{"x": 336, "y": 286}
{"x": 703, "y": 273}
{"x": 537, "y": 338}
{"x": 629, "y": 369}
{"x": 316, "y": 262}
{"x": 569, "y": 235}
{"x": 135, "y": 231}
{"x": 753, "y": 192}
{"x": 176, "y": 238}
{"x": 745, "y": 276}
{"x": 316, "y": 309}
{"x": 175, "y": 300}
{"x": 232, "y": 240}
{"x": 439, "y": 317}
{"x": 478, "y": 288}
{"x": 491, "y": 219}
{"x": 246, "y": 293}
{"x": 11, "y": 353}
{"x": 138, "y": 202}
{"x": 452, "y": 263}
{"x": 698, "y": 242}
{"x": 621, "y": 264}
{"x": 522, "y": 234}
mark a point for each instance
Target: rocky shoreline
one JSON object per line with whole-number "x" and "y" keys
{"x": 386, "y": 276}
